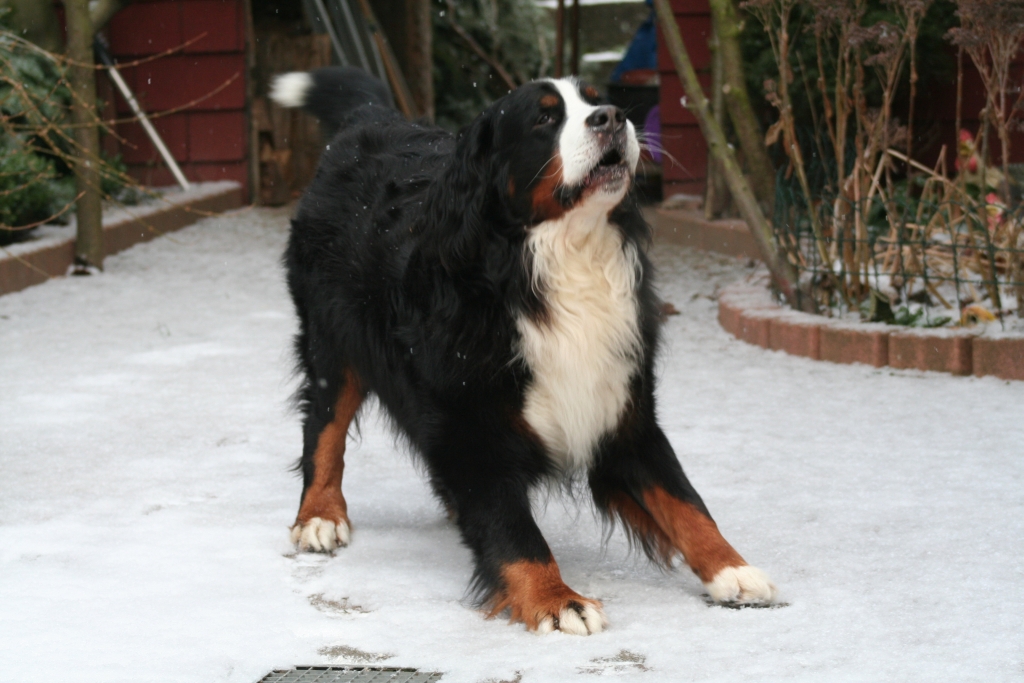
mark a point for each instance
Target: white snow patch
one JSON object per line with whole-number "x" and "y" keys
{"x": 142, "y": 506}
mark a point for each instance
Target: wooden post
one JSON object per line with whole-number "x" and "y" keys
{"x": 89, "y": 250}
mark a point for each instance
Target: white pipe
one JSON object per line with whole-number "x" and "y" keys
{"x": 150, "y": 131}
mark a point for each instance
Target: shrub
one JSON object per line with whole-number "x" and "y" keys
{"x": 36, "y": 179}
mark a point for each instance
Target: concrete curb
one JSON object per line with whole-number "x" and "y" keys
{"x": 749, "y": 314}
{"x": 50, "y": 255}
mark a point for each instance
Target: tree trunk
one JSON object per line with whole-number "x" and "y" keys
{"x": 744, "y": 122}
{"x": 716, "y": 197}
{"x": 102, "y": 11}
{"x": 35, "y": 21}
{"x": 783, "y": 273}
{"x": 89, "y": 249}
{"x": 418, "y": 62}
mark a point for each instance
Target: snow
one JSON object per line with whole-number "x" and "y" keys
{"x": 156, "y": 199}
{"x": 146, "y": 497}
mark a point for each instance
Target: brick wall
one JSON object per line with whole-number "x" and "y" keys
{"x": 209, "y": 138}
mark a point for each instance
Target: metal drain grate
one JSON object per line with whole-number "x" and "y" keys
{"x": 349, "y": 674}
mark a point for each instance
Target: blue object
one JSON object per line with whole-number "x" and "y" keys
{"x": 642, "y": 52}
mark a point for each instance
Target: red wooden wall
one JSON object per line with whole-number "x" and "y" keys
{"x": 680, "y": 133}
{"x": 208, "y": 139}
{"x": 939, "y": 104}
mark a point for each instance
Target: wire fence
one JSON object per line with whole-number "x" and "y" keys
{"x": 928, "y": 252}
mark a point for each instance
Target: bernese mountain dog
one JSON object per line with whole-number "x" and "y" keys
{"x": 491, "y": 289}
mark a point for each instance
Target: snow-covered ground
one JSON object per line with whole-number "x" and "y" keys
{"x": 145, "y": 498}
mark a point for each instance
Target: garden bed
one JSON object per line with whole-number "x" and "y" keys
{"x": 749, "y": 313}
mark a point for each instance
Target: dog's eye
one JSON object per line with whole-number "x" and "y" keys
{"x": 544, "y": 119}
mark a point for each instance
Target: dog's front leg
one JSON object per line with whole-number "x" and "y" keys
{"x": 637, "y": 479}
{"x": 515, "y": 569}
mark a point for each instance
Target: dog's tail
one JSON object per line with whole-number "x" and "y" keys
{"x": 331, "y": 94}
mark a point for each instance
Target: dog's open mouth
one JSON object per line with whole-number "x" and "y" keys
{"x": 612, "y": 157}
{"x": 611, "y": 170}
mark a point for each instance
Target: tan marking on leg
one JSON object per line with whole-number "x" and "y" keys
{"x": 695, "y": 534}
{"x": 535, "y": 594}
{"x": 323, "y": 498}
{"x": 642, "y": 527}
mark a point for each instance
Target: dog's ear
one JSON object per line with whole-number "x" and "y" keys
{"x": 476, "y": 141}
{"x": 457, "y": 212}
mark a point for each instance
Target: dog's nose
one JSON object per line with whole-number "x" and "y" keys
{"x": 607, "y": 119}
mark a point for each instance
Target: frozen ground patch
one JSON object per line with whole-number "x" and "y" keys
{"x": 145, "y": 501}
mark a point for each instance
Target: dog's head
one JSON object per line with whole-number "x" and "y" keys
{"x": 543, "y": 150}
{"x": 561, "y": 147}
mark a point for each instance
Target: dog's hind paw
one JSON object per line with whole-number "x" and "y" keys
{"x": 320, "y": 535}
{"x": 744, "y": 585}
{"x": 576, "y": 619}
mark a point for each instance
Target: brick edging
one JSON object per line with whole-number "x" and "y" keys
{"x": 749, "y": 314}
{"x": 26, "y": 267}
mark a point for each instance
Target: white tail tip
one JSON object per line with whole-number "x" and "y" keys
{"x": 289, "y": 90}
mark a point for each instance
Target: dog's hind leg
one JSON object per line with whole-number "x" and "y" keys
{"x": 322, "y": 523}
{"x": 637, "y": 479}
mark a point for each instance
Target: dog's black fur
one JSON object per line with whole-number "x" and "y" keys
{"x": 408, "y": 270}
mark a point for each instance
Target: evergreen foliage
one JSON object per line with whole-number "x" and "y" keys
{"x": 34, "y": 102}
{"x": 514, "y": 33}
{"x": 36, "y": 180}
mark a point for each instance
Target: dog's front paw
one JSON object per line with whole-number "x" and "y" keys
{"x": 744, "y": 585}
{"x": 576, "y": 618}
{"x": 320, "y": 535}
{"x": 533, "y": 593}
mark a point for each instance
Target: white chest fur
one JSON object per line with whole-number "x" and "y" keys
{"x": 585, "y": 351}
